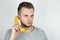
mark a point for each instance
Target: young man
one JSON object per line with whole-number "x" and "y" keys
{"x": 26, "y": 16}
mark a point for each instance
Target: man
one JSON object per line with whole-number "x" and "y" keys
{"x": 25, "y": 15}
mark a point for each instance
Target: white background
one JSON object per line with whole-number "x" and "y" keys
{"x": 47, "y": 16}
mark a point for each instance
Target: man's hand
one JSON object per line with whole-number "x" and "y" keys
{"x": 15, "y": 31}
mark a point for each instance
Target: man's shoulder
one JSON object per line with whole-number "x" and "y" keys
{"x": 8, "y": 33}
{"x": 9, "y": 30}
{"x": 39, "y": 30}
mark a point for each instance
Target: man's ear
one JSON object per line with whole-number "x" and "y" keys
{"x": 18, "y": 16}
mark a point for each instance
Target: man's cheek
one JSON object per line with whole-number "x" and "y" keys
{"x": 25, "y": 19}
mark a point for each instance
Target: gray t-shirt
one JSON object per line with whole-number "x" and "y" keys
{"x": 37, "y": 34}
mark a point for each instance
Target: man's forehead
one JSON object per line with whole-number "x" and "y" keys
{"x": 27, "y": 11}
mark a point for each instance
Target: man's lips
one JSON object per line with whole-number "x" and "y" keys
{"x": 29, "y": 22}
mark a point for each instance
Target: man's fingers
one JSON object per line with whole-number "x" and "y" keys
{"x": 15, "y": 28}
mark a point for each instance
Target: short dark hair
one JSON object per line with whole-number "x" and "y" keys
{"x": 25, "y": 4}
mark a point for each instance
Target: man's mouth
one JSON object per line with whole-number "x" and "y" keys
{"x": 29, "y": 22}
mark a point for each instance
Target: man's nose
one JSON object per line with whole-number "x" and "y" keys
{"x": 29, "y": 18}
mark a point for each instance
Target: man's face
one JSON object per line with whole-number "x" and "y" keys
{"x": 26, "y": 16}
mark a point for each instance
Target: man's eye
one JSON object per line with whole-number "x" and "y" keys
{"x": 31, "y": 15}
{"x": 26, "y": 15}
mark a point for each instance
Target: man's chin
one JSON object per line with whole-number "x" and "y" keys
{"x": 28, "y": 25}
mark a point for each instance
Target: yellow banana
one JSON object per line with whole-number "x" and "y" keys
{"x": 16, "y": 22}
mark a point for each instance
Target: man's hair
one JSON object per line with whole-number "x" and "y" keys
{"x": 26, "y": 5}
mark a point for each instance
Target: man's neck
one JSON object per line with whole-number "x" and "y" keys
{"x": 28, "y": 29}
